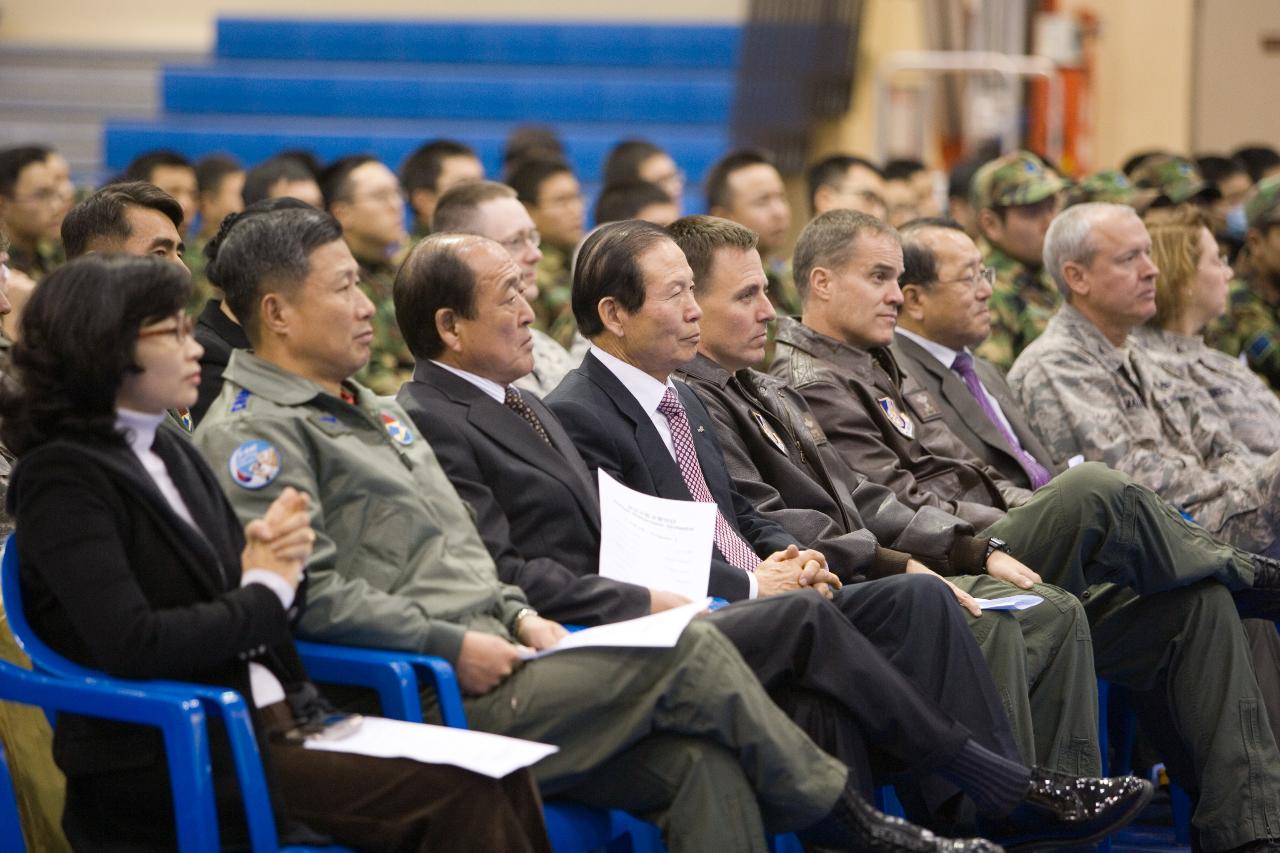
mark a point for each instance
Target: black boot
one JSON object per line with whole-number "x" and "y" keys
{"x": 853, "y": 824}
{"x": 1061, "y": 810}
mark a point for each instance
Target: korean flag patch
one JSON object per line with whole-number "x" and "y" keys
{"x": 254, "y": 464}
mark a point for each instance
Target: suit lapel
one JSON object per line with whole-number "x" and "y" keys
{"x": 665, "y": 473}
{"x": 957, "y": 395}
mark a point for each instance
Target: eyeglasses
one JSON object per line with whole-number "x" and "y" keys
{"x": 181, "y": 330}
{"x": 41, "y": 197}
{"x": 529, "y": 238}
{"x": 986, "y": 274}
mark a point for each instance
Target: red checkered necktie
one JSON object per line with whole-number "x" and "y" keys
{"x": 731, "y": 544}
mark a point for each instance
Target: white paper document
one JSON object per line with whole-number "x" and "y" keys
{"x": 656, "y": 631}
{"x": 655, "y": 542}
{"x": 1009, "y": 602}
{"x": 480, "y": 752}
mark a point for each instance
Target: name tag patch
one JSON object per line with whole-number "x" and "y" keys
{"x": 254, "y": 464}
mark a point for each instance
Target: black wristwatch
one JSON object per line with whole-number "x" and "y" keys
{"x": 993, "y": 545}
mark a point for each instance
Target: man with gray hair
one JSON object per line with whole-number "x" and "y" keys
{"x": 1087, "y": 392}
{"x": 492, "y": 210}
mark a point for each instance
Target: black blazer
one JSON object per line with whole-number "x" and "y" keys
{"x": 612, "y": 432}
{"x": 536, "y": 505}
{"x": 964, "y": 417}
{"x": 113, "y": 579}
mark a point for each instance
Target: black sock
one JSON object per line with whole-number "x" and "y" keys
{"x": 995, "y": 784}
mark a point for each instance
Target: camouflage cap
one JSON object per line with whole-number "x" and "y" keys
{"x": 1109, "y": 185}
{"x": 1263, "y": 206}
{"x": 1175, "y": 179}
{"x": 1014, "y": 179}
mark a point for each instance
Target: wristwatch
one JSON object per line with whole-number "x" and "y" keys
{"x": 521, "y": 614}
{"x": 993, "y": 545}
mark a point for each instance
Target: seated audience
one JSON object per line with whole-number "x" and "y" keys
{"x": 282, "y": 176}
{"x": 686, "y": 736}
{"x": 431, "y": 171}
{"x": 492, "y": 210}
{"x": 552, "y": 196}
{"x": 1087, "y": 391}
{"x": 158, "y": 580}
{"x": 31, "y": 209}
{"x": 846, "y": 181}
{"x": 221, "y": 183}
{"x": 639, "y": 160}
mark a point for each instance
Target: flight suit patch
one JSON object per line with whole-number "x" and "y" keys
{"x": 900, "y": 421}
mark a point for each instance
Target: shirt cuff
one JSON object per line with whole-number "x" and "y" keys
{"x": 755, "y": 585}
{"x": 271, "y": 581}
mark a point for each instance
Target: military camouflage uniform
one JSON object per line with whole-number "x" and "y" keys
{"x": 390, "y": 362}
{"x": 39, "y": 263}
{"x": 1169, "y": 180}
{"x": 1085, "y": 396}
{"x": 783, "y": 292}
{"x": 1250, "y": 412}
{"x": 550, "y": 363}
{"x": 1022, "y": 299}
{"x": 201, "y": 290}
{"x": 1251, "y": 327}
{"x": 553, "y": 309}
{"x": 1109, "y": 186}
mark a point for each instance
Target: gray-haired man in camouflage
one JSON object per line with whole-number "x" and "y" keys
{"x": 1087, "y": 392}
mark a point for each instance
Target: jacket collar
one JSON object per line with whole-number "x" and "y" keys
{"x": 223, "y": 326}
{"x": 1076, "y": 327}
{"x": 859, "y": 362}
{"x": 278, "y": 385}
{"x": 703, "y": 369}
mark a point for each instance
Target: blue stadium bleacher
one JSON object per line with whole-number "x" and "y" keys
{"x": 384, "y": 87}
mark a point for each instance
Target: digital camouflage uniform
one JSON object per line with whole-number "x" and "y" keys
{"x": 201, "y": 290}
{"x": 553, "y": 309}
{"x": 1109, "y": 186}
{"x": 390, "y": 362}
{"x": 1022, "y": 298}
{"x": 1085, "y": 396}
{"x": 1250, "y": 412}
{"x": 1251, "y": 325}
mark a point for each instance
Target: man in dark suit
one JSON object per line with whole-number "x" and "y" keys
{"x": 944, "y": 315}
{"x": 534, "y": 500}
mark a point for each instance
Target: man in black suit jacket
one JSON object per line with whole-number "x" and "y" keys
{"x": 940, "y": 321}
{"x": 535, "y": 504}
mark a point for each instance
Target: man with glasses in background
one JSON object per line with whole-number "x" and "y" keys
{"x": 31, "y": 207}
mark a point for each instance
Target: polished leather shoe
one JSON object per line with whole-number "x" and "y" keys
{"x": 853, "y": 824}
{"x": 1060, "y": 810}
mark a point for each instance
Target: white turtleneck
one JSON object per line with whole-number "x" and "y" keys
{"x": 139, "y": 429}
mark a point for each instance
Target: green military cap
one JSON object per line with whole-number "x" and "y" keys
{"x": 1109, "y": 185}
{"x": 1263, "y": 206}
{"x": 1175, "y": 179}
{"x": 1014, "y": 179}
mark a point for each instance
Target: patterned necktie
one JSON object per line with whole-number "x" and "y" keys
{"x": 517, "y": 404}
{"x": 1036, "y": 472}
{"x": 731, "y": 544}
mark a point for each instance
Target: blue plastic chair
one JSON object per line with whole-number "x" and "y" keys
{"x": 178, "y": 709}
{"x": 10, "y": 822}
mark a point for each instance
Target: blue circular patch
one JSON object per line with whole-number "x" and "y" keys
{"x": 398, "y": 431}
{"x": 254, "y": 464}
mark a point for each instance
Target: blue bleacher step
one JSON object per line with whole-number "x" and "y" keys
{"x": 441, "y": 92}
{"x": 481, "y": 42}
{"x": 255, "y": 138}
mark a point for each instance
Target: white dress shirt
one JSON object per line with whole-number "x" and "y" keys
{"x": 488, "y": 386}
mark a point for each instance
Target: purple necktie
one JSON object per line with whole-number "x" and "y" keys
{"x": 731, "y": 544}
{"x": 1037, "y": 473}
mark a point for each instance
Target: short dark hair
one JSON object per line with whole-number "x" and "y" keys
{"x": 335, "y": 181}
{"x": 830, "y": 171}
{"x": 828, "y": 241}
{"x": 304, "y": 157}
{"x": 267, "y": 205}
{"x": 528, "y": 176}
{"x": 1135, "y": 160}
{"x": 625, "y": 200}
{"x": 14, "y": 160}
{"x": 270, "y": 251}
{"x": 960, "y": 179}
{"x": 456, "y": 209}
{"x": 1215, "y": 168}
{"x": 213, "y": 170}
{"x": 1257, "y": 159}
{"x": 717, "y": 180}
{"x": 77, "y": 342}
{"x": 607, "y": 266}
{"x": 421, "y": 169}
{"x": 919, "y": 263}
{"x": 262, "y": 177}
{"x": 700, "y": 237}
{"x": 531, "y": 141}
{"x": 103, "y": 214}
{"x": 432, "y": 277}
{"x": 141, "y": 167}
{"x": 902, "y": 169}
{"x": 624, "y": 160}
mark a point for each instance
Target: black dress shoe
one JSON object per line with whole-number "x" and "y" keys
{"x": 1061, "y": 810}
{"x": 853, "y": 824}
